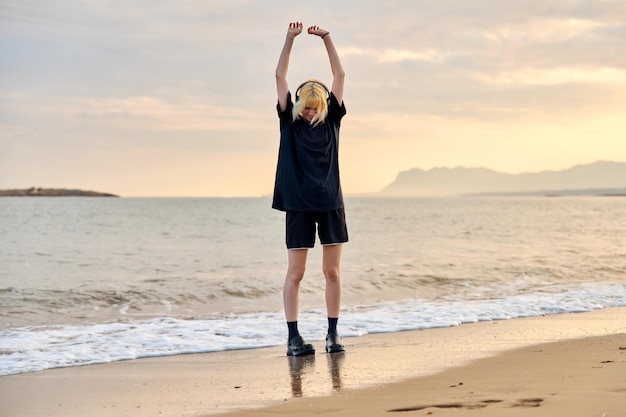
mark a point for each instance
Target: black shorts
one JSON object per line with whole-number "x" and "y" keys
{"x": 331, "y": 228}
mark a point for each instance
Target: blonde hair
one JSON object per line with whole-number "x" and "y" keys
{"x": 315, "y": 95}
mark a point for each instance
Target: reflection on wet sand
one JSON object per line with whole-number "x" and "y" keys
{"x": 335, "y": 361}
{"x": 301, "y": 366}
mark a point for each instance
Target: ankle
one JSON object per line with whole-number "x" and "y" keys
{"x": 332, "y": 324}
{"x": 292, "y": 326}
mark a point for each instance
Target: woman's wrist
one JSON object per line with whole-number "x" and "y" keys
{"x": 324, "y": 35}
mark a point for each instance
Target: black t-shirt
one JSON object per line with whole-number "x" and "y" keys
{"x": 307, "y": 174}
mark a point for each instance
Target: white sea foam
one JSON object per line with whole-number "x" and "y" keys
{"x": 38, "y": 348}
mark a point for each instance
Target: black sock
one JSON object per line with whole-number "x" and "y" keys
{"x": 293, "y": 329}
{"x": 332, "y": 324}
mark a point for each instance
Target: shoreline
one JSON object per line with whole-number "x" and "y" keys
{"x": 256, "y": 381}
{"x": 574, "y": 378}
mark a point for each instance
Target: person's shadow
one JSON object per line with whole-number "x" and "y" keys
{"x": 301, "y": 365}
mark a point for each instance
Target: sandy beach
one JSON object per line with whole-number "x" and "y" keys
{"x": 558, "y": 365}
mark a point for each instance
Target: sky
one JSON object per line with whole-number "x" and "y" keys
{"x": 178, "y": 98}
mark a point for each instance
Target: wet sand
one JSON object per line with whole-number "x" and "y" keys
{"x": 559, "y": 365}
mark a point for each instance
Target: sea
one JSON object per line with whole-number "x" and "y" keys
{"x": 88, "y": 280}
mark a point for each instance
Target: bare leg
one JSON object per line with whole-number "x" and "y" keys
{"x": 331, "y": 263}
{"x": 291, "y": 289}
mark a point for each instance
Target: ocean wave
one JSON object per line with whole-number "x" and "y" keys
{"x": 37, "y": 348}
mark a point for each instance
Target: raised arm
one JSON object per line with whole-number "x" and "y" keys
{"x": 335, "y": 63}
{"x": 295, "y": 28}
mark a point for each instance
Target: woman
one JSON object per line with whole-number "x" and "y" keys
{"x": 307, "y": 185}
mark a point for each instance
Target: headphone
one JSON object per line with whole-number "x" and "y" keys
{"x": 315, "y": 82}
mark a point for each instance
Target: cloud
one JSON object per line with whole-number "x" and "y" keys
{"x": 555, "y": 76}
{"x": 157, "y": 114}
{"x": 194, "y": 80}
{"x": 543, "y": 29}
{"x": 394, "y": 55}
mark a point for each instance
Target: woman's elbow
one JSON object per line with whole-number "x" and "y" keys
{"x": 280, "y": 74}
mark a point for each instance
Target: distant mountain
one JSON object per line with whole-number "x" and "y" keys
{"x": 52, "y": 192}
{"x": 603, "y": 176}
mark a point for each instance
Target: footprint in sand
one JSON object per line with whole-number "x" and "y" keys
{"x": 525, "y": 402}
{"x": 528, "y": 402}
{"x": 469, "y": 406}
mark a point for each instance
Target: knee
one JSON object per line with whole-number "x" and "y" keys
{"x": 295, "y": 275}
{"x": 331, "y": 274}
